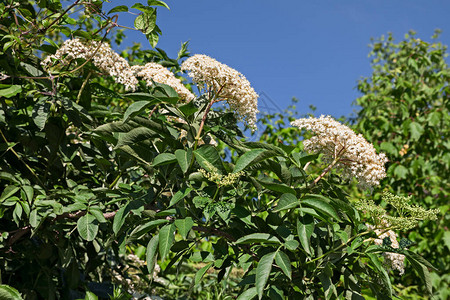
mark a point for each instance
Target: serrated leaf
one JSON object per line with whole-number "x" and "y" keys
{"x": 9, "y": 293}
{"x": 305, "y": 228}
{"x": 184, "y": 158}
{"x": 135, "y": 136}
{"x": 320, "y": 205}
{"x": 87, "y": 227}
{"x": 8, "y": 192}
{"x": 382, "y": 272}
{"x": 164, "y": 159}
{"x": 10, "y": 91}
{"x": 248, "y": 294}
{"x": 140, "y": 230}
{"x": 184, "y": 226}
{"x": 120, "y": 8}
{"x": 287, "y": 201}
{"x": 263, "y": 272}
{"x": 209, "y": 159}
{"x": 252, "y": 157}
{"x": 179, "y": 195}
{"x": 151, "y": 253}
{"x": 258, "y": 238}
{"x": 291, "y": 245}
{"x": 166, "y": 238}
{"x": 188, "y": 108}
{"x": 283, "y": 261}
{"x": 119, "y": 218}
{"x": 157, "y": 3}
{"x": 136, "y": 108}
{"x": 201, "y": 272}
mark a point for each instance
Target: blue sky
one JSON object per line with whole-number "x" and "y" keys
{"x": 313, "y": 50}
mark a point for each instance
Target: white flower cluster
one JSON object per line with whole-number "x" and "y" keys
{"x": 395, "y": 260}
{"x": 157, "y": 73}
{"x": 226, "y": 83}
{"x": 353, "y": 154}
{"x": 101, "y": 55}
{"x": 104, "y": 58}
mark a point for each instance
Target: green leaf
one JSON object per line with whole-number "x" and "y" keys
{"x": 40, "y": 113}
{"x": 8, "y": 192}
{"x": 248, "y": 294}
{"x": 184, "y": 226}
{"x": 90, "y": 296}
{"x": 382, "y": 272}
{"x": 9, "y": 293}
{"x": 166, "y": 238}
{"x": 389, "y": 148}
{"x": 305, "y": 228}
{"x": 258, "y": 238}
{"x": 263, "y": 272}
{"x": 164, "y": 159}
{"x": 188, "y": 108}
{"x": 10, "y": 91}
{"x": 140, "y": 230}
{"x": 434, "y": 118}
{"x": 184, "y": 158}
{"x": 277, "y": 187}
{"x": 151, "y": 253}
{"x": 252, "y": 157}
{"x": 120, "y": 8}
{"x": 209, "y": 159}
{"x": 137, "y": 107}
{"x": 146, "y": 21}
{"x": 87, "y": 227}
{"x": 135, "y": 136}
{"x": 179, "y": 195}
{"x": 416, "y": 130}
{"x": 157, "y": 3}
{"x": 283, "y": 261}
{"x": 423, "y": 273}
{"x": 287, "y": 201}
{"x": 119, "y": 218}
{"x": 318, "y": 203}
{"x": 291, "y": 245}
{"x": 201, "y": 272}
{"x": 401, "y": 171}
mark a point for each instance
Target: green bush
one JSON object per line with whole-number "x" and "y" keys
{"x": 118, "y": 182}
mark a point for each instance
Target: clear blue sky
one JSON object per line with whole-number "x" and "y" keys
{"x": 313, "y": 50}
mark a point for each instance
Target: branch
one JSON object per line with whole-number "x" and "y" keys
{"x": 215, "y": 232}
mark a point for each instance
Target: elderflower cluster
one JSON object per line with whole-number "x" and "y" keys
{"x": 220, "y": 179}
{"x": 157, "y": 73}
{"x": 408, "y": 215}
{"x": 350, "y": 152}
{"x": 226, "y": 84}
{"x": 102, "y": 56}
{"x": 395, "y": 260}
{"x": 108, "y": 61}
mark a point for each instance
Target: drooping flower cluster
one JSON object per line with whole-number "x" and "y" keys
{"x": 102, "y": 56}
{"x": 341, "y": 146}
{"x": 108, "y": 61}
{"x": 226, "y": 84}
{"x": 395, "y": 260}
{"x": 157, "y": 73}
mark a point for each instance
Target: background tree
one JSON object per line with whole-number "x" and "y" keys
{"x": 405, "y": 112}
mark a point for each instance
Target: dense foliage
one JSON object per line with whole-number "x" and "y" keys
{"x": 405, "y": 113}
{"x": 115, "y": 193}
